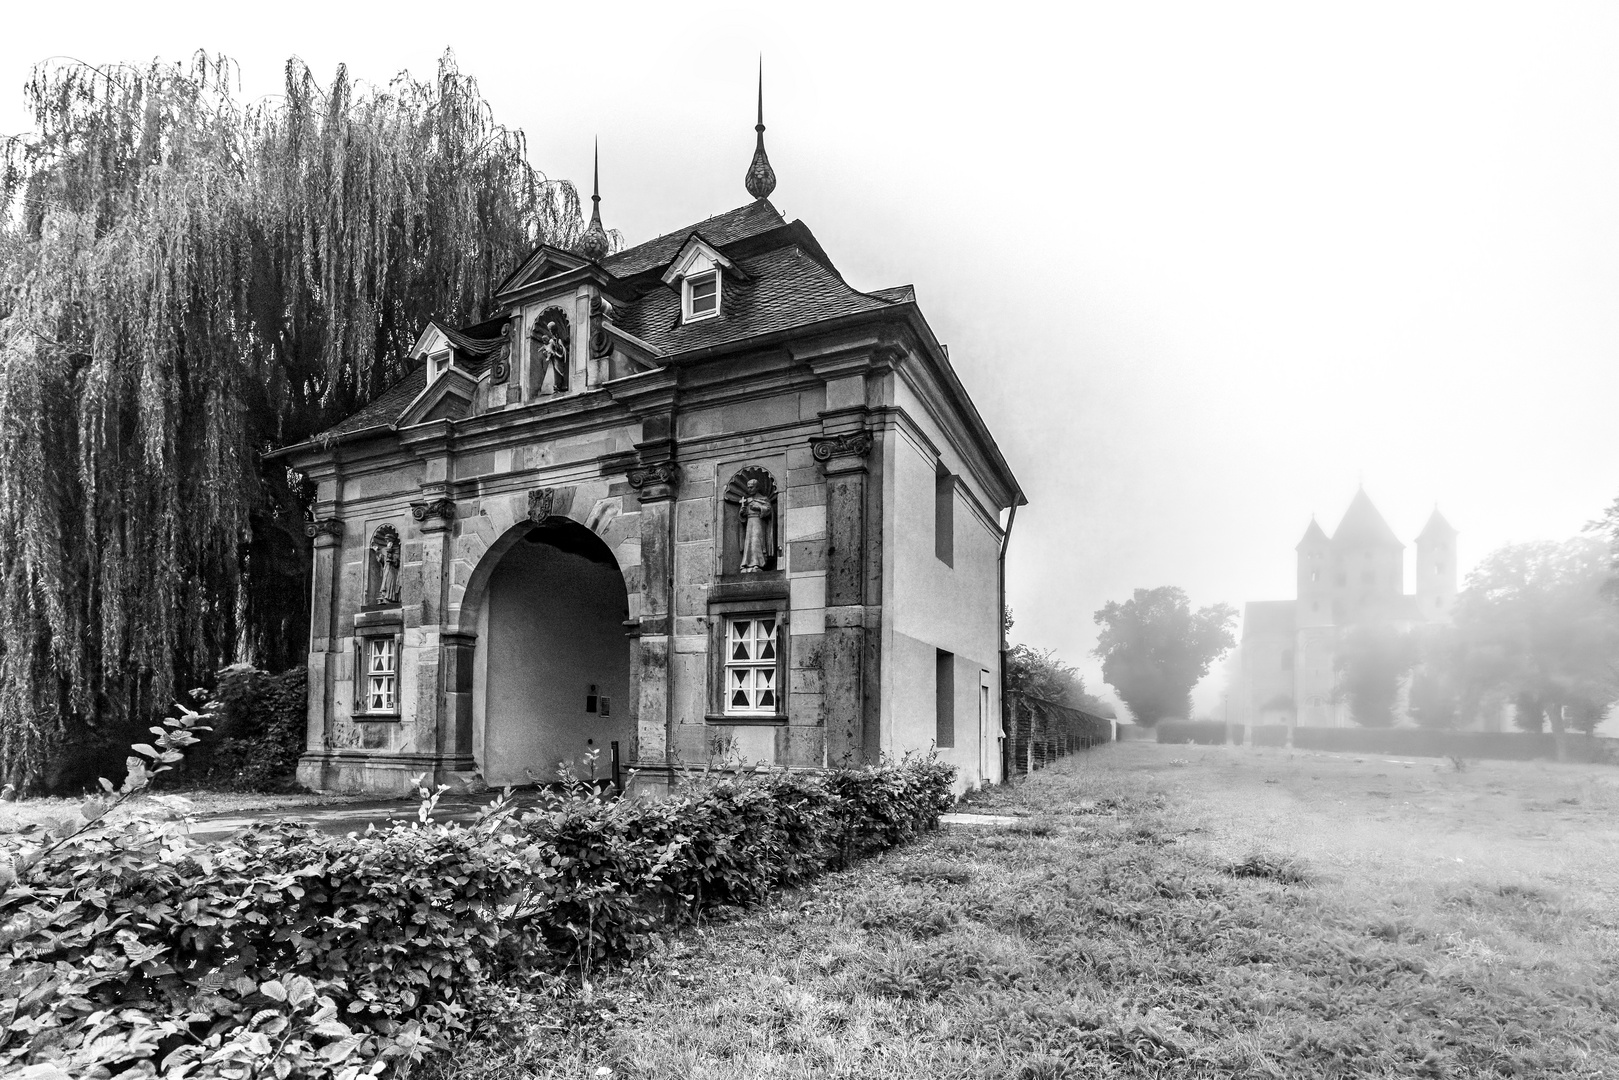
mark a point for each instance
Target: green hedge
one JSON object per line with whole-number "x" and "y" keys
{"x": 1207, "y": 732}
{"x": 1424, "y": 742}
{"x": 1270, "y": 735}
{"x": 295, "y": 953}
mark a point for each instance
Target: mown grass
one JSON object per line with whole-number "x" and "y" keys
{"x": 1153, "y": 912}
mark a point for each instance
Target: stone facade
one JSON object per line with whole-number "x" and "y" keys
{"x": 600, "y": 421}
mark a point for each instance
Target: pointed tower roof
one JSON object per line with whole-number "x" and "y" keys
{"x": 761, "y": 178}
{"x": 1437, "y": 528}
{"x": 1363, "y": 526}
{"x": 1313, "y": 536}
{"x": 594, "y": 244}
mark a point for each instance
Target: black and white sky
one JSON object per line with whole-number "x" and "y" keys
{"x": 1204, "y": 267}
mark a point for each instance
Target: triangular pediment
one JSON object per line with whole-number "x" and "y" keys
{"x": 699, "y": 256}
{"x": 449, "y": 396}
{"x": 545, "y": 261}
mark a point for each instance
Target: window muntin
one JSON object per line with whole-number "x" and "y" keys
{"x": 381, "y": 675}
{"x": 702, "y": 295}
{"x": 750, "y": 666}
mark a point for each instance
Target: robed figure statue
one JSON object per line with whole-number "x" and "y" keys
{"x": 758, "y": 545}
{"x": 385, "y": 550}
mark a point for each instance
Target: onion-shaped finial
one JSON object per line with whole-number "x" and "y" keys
{"x": 594, "y": 244}
{"x": 761, "y": 178}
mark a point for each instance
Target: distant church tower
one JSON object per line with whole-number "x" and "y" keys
{"x": 1436, "y": 569}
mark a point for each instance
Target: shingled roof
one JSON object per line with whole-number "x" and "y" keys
{"x": 785, "y": 288}
{"x": 786, "y": 282}
{"x": 751, "y": 220}
{"x": 383, "y": 409}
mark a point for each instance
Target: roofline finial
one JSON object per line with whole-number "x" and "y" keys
{"x": 760, "y": 179}
{"x": 594, "y": 244}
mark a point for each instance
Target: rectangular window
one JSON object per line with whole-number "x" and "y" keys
{"x": 944, "y": 517}
{"x": 703, "y": 295}
{"x": 945, "y": 691}
{"x": 382, "y": 675}
{"x": 750, "y": 667}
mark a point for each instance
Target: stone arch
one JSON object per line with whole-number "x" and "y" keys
{"x": 543, "y": 615}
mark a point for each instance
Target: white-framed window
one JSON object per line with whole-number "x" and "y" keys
{"x": 437, "y": 364}
{"x": 751, "y": 669}
{"x": 381, "y": 674}
{"x": 700, "y": 296}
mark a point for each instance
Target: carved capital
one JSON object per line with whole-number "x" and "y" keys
{"x": 324, "y": 531}
{"x": 434, "y": 514}
{"x": 655, "y": 481}
{"x": 855, "y": 444}
{"x": 541, "y": 501}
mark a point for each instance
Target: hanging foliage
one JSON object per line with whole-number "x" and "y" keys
{"x": 187, "y": 282}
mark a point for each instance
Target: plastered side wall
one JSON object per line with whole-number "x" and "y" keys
{"x": 930, "y": 605}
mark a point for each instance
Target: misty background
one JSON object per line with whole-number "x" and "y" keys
{"x": 1204, "y": 269}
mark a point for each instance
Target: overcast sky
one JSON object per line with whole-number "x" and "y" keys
{"x": 1204, "y": 267}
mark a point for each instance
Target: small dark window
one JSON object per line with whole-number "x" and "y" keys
{"x": 945, "y": 703}
{"x": 944, "y": 517}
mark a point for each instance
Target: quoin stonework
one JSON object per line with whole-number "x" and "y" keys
{"x": 700, "y": 497}
{"x": 1354, "y": 577}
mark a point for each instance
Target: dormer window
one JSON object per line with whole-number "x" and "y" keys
{"x": 701, "y": 294}
{"x": 437, "y": 364}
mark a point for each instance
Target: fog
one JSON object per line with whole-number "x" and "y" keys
{"x": 1204, "y": 268}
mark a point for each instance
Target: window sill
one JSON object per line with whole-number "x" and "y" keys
{"x": 779, "y": 720}
{"x": 765, "y": 585}
{"x": 379, "y": 618}
{"x": 377, "y": 717}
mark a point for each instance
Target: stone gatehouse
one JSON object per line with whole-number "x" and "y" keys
{"x": 700, "y": 498}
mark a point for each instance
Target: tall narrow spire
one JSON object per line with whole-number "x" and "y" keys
{"x": 761, "y": 178}
{"x": 594, "y": 244}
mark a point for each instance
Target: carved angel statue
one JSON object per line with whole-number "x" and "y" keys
{"x": 757, "y": 542}
{"x": 556, "y": 356}
{"x": 385, "y": 550}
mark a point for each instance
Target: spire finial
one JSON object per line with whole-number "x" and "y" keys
{"x": 594, "y": 244}
{"x": 761, "y": 178}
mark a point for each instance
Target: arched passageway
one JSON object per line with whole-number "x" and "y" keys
{"x": 552, "y": 673}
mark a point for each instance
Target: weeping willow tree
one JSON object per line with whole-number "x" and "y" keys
{"x": 189, "y": 281}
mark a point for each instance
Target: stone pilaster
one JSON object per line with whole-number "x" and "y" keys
{"x": 327, "y": 532}
{"x": 843, "y": 458}
{"x": 655, "y": 484}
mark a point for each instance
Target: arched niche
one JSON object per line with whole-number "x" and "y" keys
{"x": 742, "y": 503}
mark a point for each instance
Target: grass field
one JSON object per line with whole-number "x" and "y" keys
{"x": 1155, "y": 911}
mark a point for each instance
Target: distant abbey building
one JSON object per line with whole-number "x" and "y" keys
{"x": 1355, "y": 576}
{"x": 700, "y": 498}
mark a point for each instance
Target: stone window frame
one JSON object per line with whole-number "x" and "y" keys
{"x": 368, "y": 626}
{"x": 753, "y": 599}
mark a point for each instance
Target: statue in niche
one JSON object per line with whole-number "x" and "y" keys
{"x": 750, "y": 521}
{"x": 385, "y": 564}
{"x": 551, "y": 348}
{"x": 755, "y": 511}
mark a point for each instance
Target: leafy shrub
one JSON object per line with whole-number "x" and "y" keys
{"x": 287, "y": 952}
{"x": 259, "y": 723}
